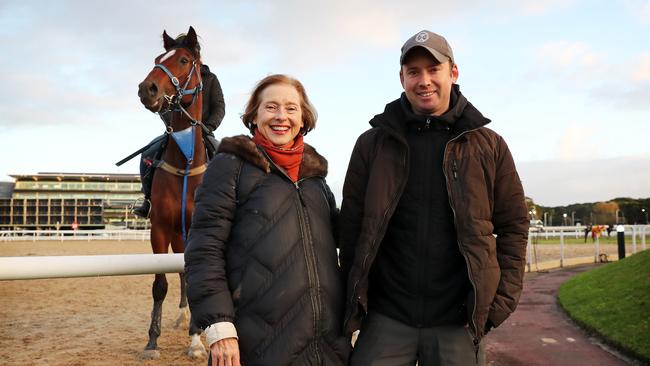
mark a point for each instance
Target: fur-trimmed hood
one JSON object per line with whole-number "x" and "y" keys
{"x": 242, "y": 146}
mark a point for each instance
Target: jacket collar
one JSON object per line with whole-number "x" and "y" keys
{"x": 461, "y": 116}
{"x": 313, "y": 164}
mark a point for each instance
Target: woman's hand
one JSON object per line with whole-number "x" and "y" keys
{"x": 225, "y": 352}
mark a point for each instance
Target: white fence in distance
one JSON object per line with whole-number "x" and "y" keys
{"x": 632, "y": 233}
{"x": 64, "y": 235}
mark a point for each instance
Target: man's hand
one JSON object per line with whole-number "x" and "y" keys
{"x": 225, "y": 352}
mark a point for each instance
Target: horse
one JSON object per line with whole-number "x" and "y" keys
{"x": 173, "y": 87}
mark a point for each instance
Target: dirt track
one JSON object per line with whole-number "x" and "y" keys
{"x": 104, "y": 320}
{"x": 85, "y": 321}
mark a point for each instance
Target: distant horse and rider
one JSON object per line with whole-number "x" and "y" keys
{"x": 173, "y": 89}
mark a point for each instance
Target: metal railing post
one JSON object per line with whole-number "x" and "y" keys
{"x": 561, "y": 248}
{"x": 597, "y": 247}
{"x": 530, "y": 252}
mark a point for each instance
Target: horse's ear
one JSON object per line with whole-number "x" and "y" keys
{"x": 190, "y": 40}
{"x": 168, "y": 42}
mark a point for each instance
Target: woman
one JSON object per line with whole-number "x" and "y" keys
{"x": 261, "y": 263}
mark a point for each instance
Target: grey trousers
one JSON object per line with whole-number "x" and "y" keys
{"x": 387, "y": 342}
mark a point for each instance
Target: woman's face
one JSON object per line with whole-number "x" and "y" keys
{"x": 279, "y": 116}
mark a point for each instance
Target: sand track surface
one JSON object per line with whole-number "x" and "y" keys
{"x": 86, "y": 321}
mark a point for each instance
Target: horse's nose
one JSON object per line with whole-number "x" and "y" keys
{"x": 147, "y": 89}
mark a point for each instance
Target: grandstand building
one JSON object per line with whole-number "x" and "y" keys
{"x": 70, "y": 201}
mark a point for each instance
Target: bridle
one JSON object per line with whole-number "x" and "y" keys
{"x": 174, "y": 101}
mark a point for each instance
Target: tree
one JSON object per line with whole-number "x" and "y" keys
{"x": 605, "y": 212}
{"x": 534, "y": 211}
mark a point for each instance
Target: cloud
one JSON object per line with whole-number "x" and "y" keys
{"x": 574, "y": 60}
{"x": 554, "y": 183}
{"x": 576, "y": 67}
{"x": 579, "y": 143}
{"x": 640, "y": 70}
{"x": 639, "y": 9}
{"x": 543, "y": 7}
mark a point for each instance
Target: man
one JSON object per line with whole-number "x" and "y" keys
{"x": 433, "y": 222}
{"x": 213, "y": 112}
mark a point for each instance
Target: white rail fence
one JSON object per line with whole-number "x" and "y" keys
{"x": 64, "y": 235}
{"x": 29, "y": 268}
{"x": 34, "y": 267}
{"x": 591, "y": 249}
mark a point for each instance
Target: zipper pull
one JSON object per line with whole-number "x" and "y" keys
{"x": 302, "y": 199}
{"x": 454, "y": 170}
{"x": 426, "y": 126}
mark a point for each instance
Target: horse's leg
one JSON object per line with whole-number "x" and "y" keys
{"x": 158, "y": 292}
{"x": 194, "y": 330}
{"x": 196, "y": 348}
{"x": 184, "y": 313}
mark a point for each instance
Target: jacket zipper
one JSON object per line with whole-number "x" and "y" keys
{"x": 476, "y": 339}
{"x": 312, "y": 273}
{"x": 310, "y": 258}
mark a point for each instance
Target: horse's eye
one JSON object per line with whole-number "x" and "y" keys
{"x": 185, "y": 60}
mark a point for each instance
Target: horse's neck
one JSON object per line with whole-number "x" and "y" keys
{"x": 179, "y": 122}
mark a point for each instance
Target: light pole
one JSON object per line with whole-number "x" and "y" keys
{"x": 573, "y": 218}
{"x": 564, "y": 215}
{"x": 617, "y": 211}
{"x": 545, "y": 224}
{"x": 646, "y": 215}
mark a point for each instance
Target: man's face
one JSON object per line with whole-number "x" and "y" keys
{"x": 427, "y": 83}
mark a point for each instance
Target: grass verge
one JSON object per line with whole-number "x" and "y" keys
{"x": 613, "y": 301}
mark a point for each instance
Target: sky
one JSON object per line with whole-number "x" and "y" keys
{"x": 565, "y": 82}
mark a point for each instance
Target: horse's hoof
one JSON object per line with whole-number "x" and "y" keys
{"x": 197, "y": 351}
{"x": 183, "y": 317}
{"x": 150, "y": 354}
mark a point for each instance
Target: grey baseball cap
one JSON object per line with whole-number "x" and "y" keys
{"x": 436, "y": 44}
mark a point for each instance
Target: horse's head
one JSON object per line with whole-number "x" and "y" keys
{"x": 176, "y": 77}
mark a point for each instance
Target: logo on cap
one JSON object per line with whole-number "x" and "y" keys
{"x": 422, "y": 37}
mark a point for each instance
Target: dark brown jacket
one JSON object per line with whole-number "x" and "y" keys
{"x": 485, "y": 194}
{"x": 261, "y": 254}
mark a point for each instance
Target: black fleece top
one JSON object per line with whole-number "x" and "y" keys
{"x": 420, "y": 277}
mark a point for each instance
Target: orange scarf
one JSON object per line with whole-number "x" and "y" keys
{"x": 288, "y": 157}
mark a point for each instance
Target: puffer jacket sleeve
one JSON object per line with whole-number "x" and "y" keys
{"x": 352, "y": 206}
{"x": 510, "y": 219}
{"x": 334, "y": 211}
{"x": 208, "y": 294}
{"x": 216, "y": 105}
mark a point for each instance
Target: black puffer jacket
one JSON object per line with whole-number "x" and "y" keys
{"x": 214, "y": 108}
{"x": 261, "y": 254}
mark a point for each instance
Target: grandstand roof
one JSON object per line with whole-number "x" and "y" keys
{"x": 82, "y": 177}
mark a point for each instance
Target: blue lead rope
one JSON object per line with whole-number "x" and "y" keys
{"x": 185, "y": 141}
